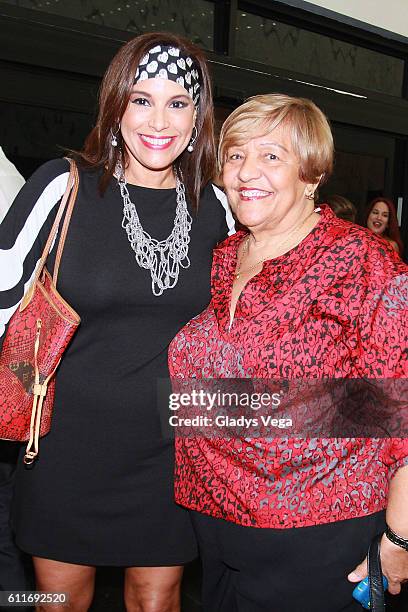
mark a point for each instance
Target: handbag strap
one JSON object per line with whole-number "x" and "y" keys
{"x": 70, "y": 192}
{"x": 74, "y": 179}
{"x": 377, "y": 597}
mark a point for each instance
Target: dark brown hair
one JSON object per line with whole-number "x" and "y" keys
{"x": 197, "y": 167}
{"x": 392, "y": 230}
{"x": 342, "y": 207}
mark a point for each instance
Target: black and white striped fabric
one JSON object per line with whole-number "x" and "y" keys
{"x": 229, "y": 219}
{"x": 24, "y": 231}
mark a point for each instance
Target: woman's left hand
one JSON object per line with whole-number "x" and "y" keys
{"x": 394, "y": 563}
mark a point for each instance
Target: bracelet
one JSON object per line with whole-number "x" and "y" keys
{"x": 396, "y": 539}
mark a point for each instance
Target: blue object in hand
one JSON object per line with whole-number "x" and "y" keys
{"x": 362, "y": 592}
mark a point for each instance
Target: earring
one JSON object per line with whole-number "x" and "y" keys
{"x": 190, "y": 147}
{"x": 310, "y": 196}
{"x": 114, "y": 140}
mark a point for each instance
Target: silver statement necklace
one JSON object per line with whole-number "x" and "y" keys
{"x": 162, "y": 257}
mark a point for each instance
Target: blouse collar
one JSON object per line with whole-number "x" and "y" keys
{"x": 224, "y": 265}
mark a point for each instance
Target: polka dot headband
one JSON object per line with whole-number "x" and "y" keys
{"x": 165, "y": 62}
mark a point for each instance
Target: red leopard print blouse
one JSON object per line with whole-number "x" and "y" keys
{"x": 334, "y": 306}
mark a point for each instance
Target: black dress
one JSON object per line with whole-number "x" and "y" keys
{"x": 101, "y": 492}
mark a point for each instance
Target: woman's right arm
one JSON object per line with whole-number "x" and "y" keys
{"x": 24, "y": 232}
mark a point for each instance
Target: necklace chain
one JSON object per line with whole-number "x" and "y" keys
{"x": 240, "y": 271}
{"x": 162, "y": 257}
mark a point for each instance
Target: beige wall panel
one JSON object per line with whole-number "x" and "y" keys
{"x": 390, "y": 15}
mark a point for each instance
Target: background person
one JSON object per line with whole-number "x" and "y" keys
{"x": 301, "y": 294}
{"x": 342, "y": 207}
{"x": 12, "y": 572}
{"x": 381, "y": 218}
{"x": 12, "y": 575}
{"x": 11, "y": 182}
{"x": 135, "y": 267}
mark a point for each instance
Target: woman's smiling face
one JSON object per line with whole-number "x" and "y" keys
{"x": 377, "y": 220}
{"x": 261, "y": 177}
{"x": 157, "y": 124}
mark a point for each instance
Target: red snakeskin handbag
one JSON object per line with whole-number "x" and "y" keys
{"x": 37, "y": 336}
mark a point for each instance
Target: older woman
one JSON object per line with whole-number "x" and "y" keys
{"x": 282, "y": 522}
{"x": 136, "y": 267}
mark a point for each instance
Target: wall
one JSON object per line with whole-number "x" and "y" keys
{"x": 391, "y": 15}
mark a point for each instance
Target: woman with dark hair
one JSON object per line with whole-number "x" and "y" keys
{"x": 136, "y": 267}
{"x": 381, "y": 218}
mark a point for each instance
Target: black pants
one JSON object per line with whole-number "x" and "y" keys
{"x": 246, "y": 569}
{"x": 12, "y": 576}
